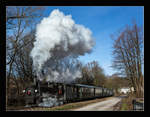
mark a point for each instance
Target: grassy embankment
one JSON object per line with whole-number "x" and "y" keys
{"x": 126, "y": 103}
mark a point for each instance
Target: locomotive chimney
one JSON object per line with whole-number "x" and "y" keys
{"x": 37, "y": 83}
{"x": 35, "y": 79}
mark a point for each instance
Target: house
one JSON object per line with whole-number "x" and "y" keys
{"x": 126, "y": 90}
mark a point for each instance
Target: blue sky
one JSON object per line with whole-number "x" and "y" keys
{"x": 102, "y": 21}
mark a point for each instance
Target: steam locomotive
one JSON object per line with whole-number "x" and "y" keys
{"x": 53, "y": 94}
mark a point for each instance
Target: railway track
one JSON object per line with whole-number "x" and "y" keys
{"x": 68, "y": 106}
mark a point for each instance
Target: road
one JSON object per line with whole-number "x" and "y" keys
{"x": 107, "y": 105}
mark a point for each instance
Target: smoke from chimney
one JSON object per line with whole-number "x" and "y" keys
{"x": 59, "y": 39}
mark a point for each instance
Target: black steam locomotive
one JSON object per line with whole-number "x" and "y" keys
{"x": 62, "y": 93}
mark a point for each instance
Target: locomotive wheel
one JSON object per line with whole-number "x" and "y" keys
{"x": 37, "y": 101}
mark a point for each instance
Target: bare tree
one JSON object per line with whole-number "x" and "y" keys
{"x": 19, "y": 21}
{"x": 115, "y": 81}
{"x": 99, "y": 76}
{"x": 128, "y": 56}
{"x": 92, "y": 74}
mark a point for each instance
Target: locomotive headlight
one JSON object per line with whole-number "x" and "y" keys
{"x": 24, "y": 91}
{"x": 35, "y": 90}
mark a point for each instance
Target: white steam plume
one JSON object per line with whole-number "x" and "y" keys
{"x": 57, "y": 37}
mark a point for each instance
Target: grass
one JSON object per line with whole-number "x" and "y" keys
{"x": 126, "y": 104}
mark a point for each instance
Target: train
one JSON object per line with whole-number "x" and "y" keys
{"x": 62, "y": 93}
